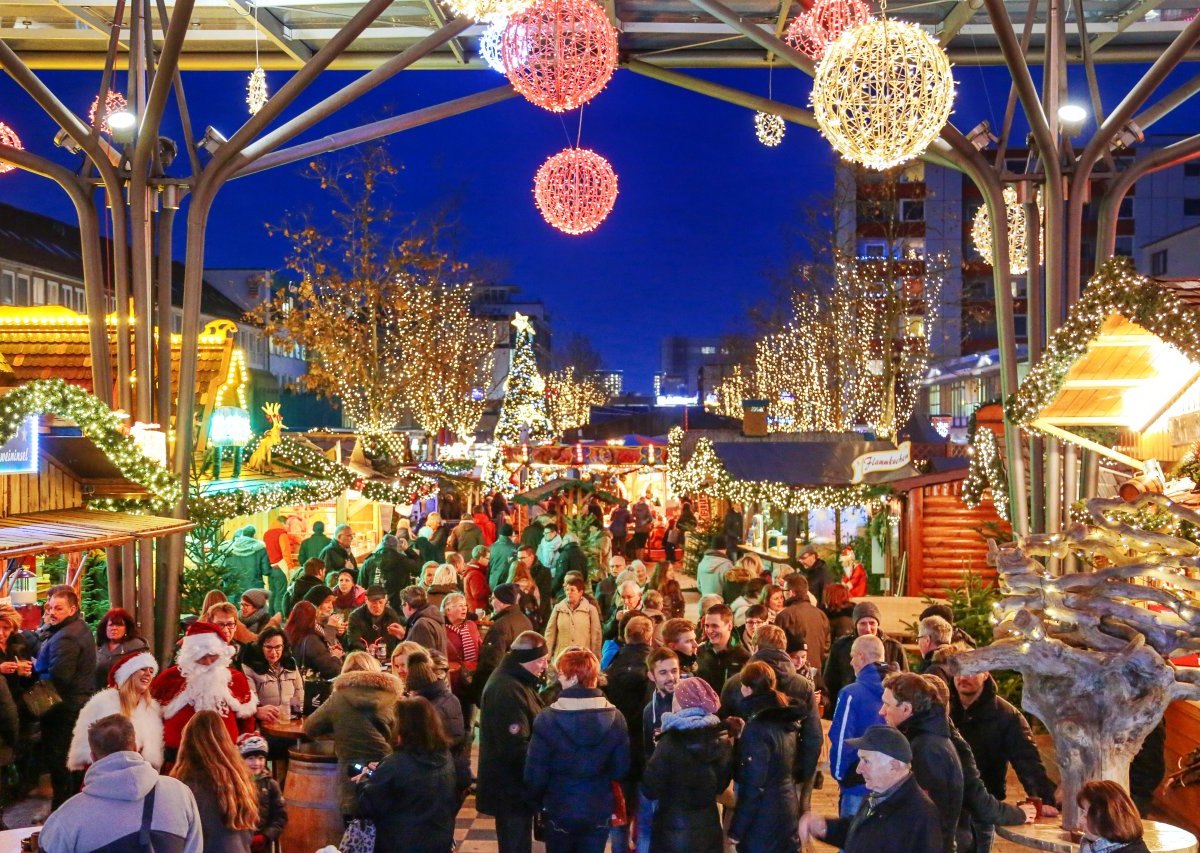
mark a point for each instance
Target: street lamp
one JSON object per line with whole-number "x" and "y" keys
{"x": 1072, "y": 117}
{"x": 121, "y": 125}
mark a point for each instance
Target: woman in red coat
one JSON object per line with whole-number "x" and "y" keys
{"x": 463, "y": 642}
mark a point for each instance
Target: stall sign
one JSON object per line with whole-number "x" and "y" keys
{"x": 881, "y": 460}
{"x": 19, "y": 455}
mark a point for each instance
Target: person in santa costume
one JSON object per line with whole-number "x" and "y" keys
{"x": 202, "y": 680}
{"x": 128, "y": 694}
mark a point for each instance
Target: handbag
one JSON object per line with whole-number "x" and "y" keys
{"x": 359, "y": 837}
{"x": 41, "y": 698}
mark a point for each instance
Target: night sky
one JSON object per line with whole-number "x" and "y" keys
{"x": 705, "y": 213}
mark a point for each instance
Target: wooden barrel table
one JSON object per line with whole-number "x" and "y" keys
{"x": 313, "y": 803}
{"x": 1047, "y": 834}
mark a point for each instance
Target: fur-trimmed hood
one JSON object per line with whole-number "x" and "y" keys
{"x": 147, "y": 725}
{"x": 369, "y": 681}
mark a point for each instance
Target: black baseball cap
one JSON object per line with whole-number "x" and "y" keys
{"x": 883, "y": 739}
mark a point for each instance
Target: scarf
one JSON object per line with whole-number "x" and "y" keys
{"x": 469, "y": 649}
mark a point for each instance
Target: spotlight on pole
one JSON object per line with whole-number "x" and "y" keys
{"x": 1072, "y": 117}
{"x": 212, "y": 141}
{"x": 122, "y": 124}
{"x": 63, "y": 140}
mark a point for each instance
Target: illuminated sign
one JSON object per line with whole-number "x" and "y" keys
{"x": 676, "y": 400}
{"x": 19, "y": 455}
{"x": 881, "y": 460}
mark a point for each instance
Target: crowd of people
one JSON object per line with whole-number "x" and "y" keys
{"x": 605, "y": 715}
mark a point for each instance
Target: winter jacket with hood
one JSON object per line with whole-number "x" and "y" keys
{"x": 628, "y": 688}
{"x": 507, "y": 625}
{"x": 278, "y": 687}
{"x": 711, "y": 571}
{"x": 570, "y": 558}
{"x": 765, "y": 771}
{"x": 500, "y": 560}
{"x": 360, "y": 713}
{"x": 799, "y": 691}
{"x": 313, "y": 545}
{"x": 857, "y": 710}
{"x": 110, "y": 808}
{"x": 838, "y": 672}
{"x": 936, "y": 766}
{"x": 573, "y": 627}
{"x": 999, "y": 735}
{"x": 395, "y": 570}
{"x": 464, "y": 537}
{"x": 449, "y": 709}
{"x": 691, "y": 765}
{"x": 978, "y": 807}
{"x": 67, "y": 657}
{"x": 906, "y": 822}
{"x": 147, "y": 722}
{"x": 246, "y": 565}
{"x": 427, "y": 627}
{"x": 411, "y": 798}
{"x": 579, "y": 747}
{"x": 336, "y": 558}
{"x": 508, "y": 706}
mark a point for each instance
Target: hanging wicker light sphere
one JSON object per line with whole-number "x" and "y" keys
{"x": 769, "y": 128}
{"x": 483, "y": 10}
{"x": 256, "y": 90}
{"x": 559, "y": 54}
{"x": 882, "y": 93}
{"x": 814, "y": 29}
{"x": 575, "y": 190}
{"x": 114, "y": 102}
{"x": 9, "y": 137}
{"x": 489, "y": 45}
{"x": 1018, "y": 232}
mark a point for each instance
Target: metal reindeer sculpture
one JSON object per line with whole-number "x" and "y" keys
{"x": 1093, "y": 646}
{"x": 260, "y": 460}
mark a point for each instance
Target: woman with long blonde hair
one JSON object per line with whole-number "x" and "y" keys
{"x": 127, "y": 694}
{"x": 225, "y": 791}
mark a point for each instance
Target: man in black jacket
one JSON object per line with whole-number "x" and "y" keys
{"x": 508, "y": 622}
{"x": 628, "y": 688}
{"x": 507, "y": 708}
{"x": 817, "y": 573}
{"x": 375, "y": 622}
{"x": 718, "y": 658}
{"x": 896, "y": 817}
{"x": 391, "y": 567}
{"x": 838, "y": 671}
{"x": 909, "y": 704}
{"x": 66, "y": 659}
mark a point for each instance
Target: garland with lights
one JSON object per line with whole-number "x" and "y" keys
{"x": 105, "y": 429}
{"x": 1116, "y": 288}
{"x": 524, "y": 406}
{"x": 704, "y": 473}
{"x": 986, "y": 469}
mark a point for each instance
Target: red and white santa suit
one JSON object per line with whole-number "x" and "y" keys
{"x": 188, "y": 687}
{"x": 146, "y": 718}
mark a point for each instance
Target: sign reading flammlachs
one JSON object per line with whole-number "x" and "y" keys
{"x": 881, "y": 460}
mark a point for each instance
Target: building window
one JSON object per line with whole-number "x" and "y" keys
{"x": 1191, "y": 207}
{"x": 39, "y": 290}
{"x": 1126, "y": 211}
{"x": 66, "y": 296}
{"x": 874, "y": 250}
{"x": 6, "y": 287}
{"x": 1191, "y": 170}
{"x": 80, "y": 305}
{"x": 1124, "y": 246}
{"x": 708, "y": 350}
{"x": 51, "y": 293}
{"x": 22, "y": 297}
{"x": 1158, "y": 262}
{"x": 912, "y": 210}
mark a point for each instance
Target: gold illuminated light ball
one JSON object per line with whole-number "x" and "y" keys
{"x": 883, "y": 92}
{"x": 575, "y": 190}
{"x": 559, "y": 54}
{"x": 1018, "y": 233}
{"x": 769, "y": 128}
{"x": 256, "y": 90}
{"x": 481, "y": 10}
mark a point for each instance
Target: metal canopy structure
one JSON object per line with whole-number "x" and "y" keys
{"x": 74, "y": 34}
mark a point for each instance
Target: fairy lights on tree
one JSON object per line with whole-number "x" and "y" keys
{"x": 523, "y": 416}
{"x": 569, "y": 400}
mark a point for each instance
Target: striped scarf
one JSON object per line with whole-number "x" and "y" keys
{"x": 469, "y": 647}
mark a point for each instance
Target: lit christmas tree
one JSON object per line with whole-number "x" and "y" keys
{"x": 523, "y": 416}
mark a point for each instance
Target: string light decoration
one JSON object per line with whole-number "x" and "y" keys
{"x": 569, "y": 400}
{"x": 104, "y": 427}
{"x": 488, "y": 10}
{"x": 256, "y": 86}
{"x": 704, "y": 473}
{"x": 769, "y": 128}
{"x": 575, "y": 190}
{"x": 496, "y": 475}
{"x": 882, "y": 93}
{"x": 523, "y": 417}
{"x": 490, "y": 41}
{"x": 1018, "y": 232}
{"x": 986, "y": 469}
{"x": 559, "y": 54}
{"x": 9, "y": 137}
{"x": 1116, "y": 288}
{"x": 813, "y": 30}
{"x": 114, "y": 102}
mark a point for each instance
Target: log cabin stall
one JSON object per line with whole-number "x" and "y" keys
{"x": 1119, "y": 380}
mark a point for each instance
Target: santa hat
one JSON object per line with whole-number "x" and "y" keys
{"x": 127, "y": 665}
{"x": 202, "y": 639}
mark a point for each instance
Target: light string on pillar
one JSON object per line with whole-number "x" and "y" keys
{"x": 769, "y": 127}
{"x": 256, "y": 87}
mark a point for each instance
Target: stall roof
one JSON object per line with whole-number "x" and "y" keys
{"x": 71, "y": 530}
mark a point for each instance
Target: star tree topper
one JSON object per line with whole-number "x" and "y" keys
{"x": 522, "y": 324}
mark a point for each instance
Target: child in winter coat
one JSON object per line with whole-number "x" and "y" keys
{"x": 272, "y": 810}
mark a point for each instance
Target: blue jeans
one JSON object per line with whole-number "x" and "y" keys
{"x": 645, "y": 816}
{"x": 562, "y": 837}
{"x": 849, "y": 802}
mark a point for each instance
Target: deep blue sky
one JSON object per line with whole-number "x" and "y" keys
{"x": 703, "y": 215}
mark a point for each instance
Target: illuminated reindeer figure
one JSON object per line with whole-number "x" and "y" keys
{"x": 260, "y": 460}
